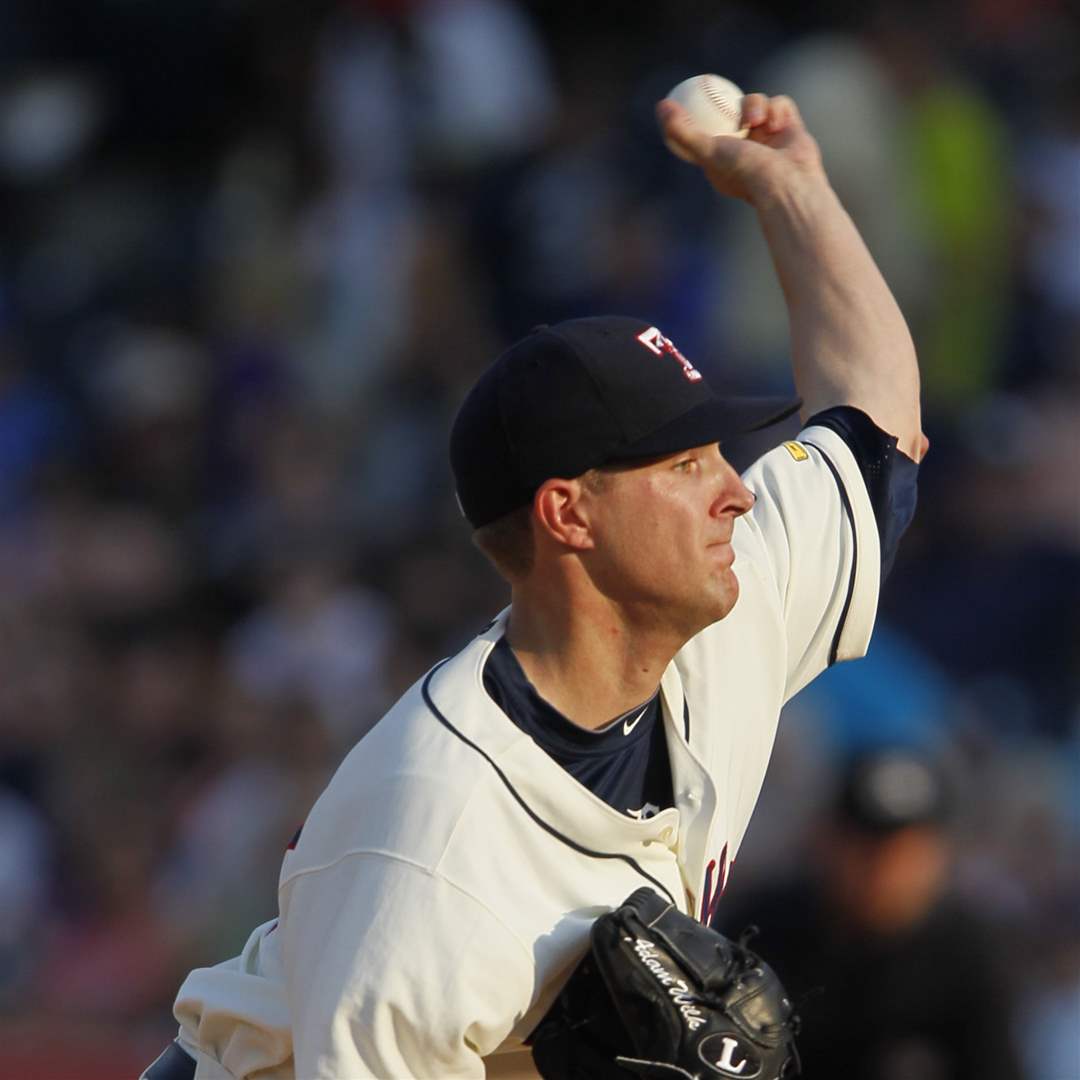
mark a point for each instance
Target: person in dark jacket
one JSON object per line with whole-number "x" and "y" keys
{"x": 895, "y": 979}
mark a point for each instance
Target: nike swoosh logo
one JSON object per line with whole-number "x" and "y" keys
{"x": 629, "y": 725}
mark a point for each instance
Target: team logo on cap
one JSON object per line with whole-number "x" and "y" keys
{"x": 656, "y": 343}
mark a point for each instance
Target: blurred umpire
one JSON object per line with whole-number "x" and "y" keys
{"x": 894, "y": 978}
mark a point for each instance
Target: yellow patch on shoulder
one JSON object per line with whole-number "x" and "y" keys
{"x": 796, "y": 450}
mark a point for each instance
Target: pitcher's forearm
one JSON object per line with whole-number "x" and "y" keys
{"x": 850, "y": 342}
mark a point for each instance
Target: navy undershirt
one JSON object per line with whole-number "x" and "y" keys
{"x": 625, "y": 763}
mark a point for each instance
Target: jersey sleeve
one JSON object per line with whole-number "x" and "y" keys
{"x": 891, "y": 477}
{"x": 815, "y": 541}
{"x": 392, "y": 971}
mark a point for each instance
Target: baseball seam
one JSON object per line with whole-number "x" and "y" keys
{"x": 720, "y": 99}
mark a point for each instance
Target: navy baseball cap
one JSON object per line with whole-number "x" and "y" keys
{"x": 891, "y": 788}
{"x": 580, "y": 394}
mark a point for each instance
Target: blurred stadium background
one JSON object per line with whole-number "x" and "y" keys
{"x": 251, "y": 254}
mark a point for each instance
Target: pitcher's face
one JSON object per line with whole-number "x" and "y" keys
{"x": 663, "y": 532}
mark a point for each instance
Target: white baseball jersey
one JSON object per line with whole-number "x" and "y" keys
{"x": 445, "y": 882}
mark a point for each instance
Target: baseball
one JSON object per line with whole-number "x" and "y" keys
{"x": 714, "y": 104}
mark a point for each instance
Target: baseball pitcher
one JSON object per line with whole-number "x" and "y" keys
{"x": 535, "y": 836}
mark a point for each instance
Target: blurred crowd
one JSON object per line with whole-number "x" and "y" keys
{"x": 252, "y": 253}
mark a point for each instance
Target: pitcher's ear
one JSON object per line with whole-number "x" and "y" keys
{"x": 560, "y": 515}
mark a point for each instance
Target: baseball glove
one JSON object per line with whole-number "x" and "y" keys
{"x": 661, "y": 996}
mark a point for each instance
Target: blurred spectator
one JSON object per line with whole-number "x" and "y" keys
{"x": 957, "y": 150}
{"x": 25, "y": 858}
{"x": 291, "y": 498}
{"x": 895, "y": 979}
{"x": 35, "y": 429}
{"x": 272, "y": 759}
{"x": 1049, "y": 178}
{"x": 47, "y": 119}
{"x": 1003, "y": 573}
{"x": 108, "y": 951}
{"x": 149, "y": 391}
{"x": 317, "y": 638}
{"x": 485, "y": 90}
{"x": 1048, "y": 1020}
{"x": 851, "y": 103}
{"x": 396, "y": 99}
{"x": 895, "y": 696}
{"x": 919, "y": 158}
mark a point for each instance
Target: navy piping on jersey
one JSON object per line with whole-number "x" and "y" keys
{"x": 835, "y": 647}
{"x": 550, "y": 829}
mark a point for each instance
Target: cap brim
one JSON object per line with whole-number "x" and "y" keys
{"x": 710, "y": 422}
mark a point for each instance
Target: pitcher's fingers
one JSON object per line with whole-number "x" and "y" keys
{"x": 681, "y": 131}
{"x": 755, "y": 110}
{"x": 783, "y": 112}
